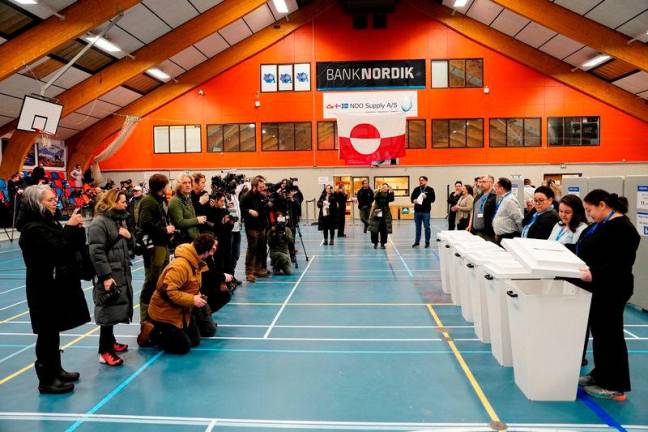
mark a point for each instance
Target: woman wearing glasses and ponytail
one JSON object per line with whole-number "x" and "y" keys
{"x": 609, "y": 248}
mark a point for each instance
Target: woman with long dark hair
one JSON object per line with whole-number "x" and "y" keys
{"x": 54, "y": 295}
{"x": 380, "y": 221}
{"x": 609, "y": 248}
{"x": 328, "y": 206}
{"x": 572, "y": 221}
{"x": 109, "y": 240}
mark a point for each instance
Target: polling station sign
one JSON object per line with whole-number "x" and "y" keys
{"x": 371, "y": 75}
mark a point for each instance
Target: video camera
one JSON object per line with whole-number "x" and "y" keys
{"x": 227, "y": 184}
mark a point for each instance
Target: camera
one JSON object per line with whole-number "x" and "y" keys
{"x": 227, "y": 184}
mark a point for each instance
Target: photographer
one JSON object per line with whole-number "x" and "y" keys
{"x": 341, "y": 198}
{"x": 182, "y": 213}
{"x": 177, "y": 293}
{"x": 200, "y": 198}
{"x": 109, "y": 242}
{"x": 282, "y": 247}
{"x": 254, "y": 208}
{"x": 365, "y": 198}
{"x": 156, "y": 232}
{"x": 134, "y": 207}
{"x": 234, "y": 207}
{"x": 327, "y": 214}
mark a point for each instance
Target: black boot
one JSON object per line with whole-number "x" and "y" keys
{"x": 66, "y": 376}
{"x": 49, "y": 383}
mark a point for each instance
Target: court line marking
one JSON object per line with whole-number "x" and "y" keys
{"x": 295, "y": 424}
{"x": 338, "y": 304}
{"x": 401, "y": 258}
{"x": 211, "y": 425}
{"x": 115, "y": 391}
{"x": 12, "y": 289}
{"x": 301, "y": 277}
{"x": 598, "y": 410}
{"x": 303, "y": 326}
{"x": 496, "y": 423}
{"x": 631, "y": 334}
{"x": 16, "y": 353}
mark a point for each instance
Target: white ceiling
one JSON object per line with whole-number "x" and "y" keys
{"x": 212, "y": 45}
{"x": 42, "y": 11}
{"x": 173, "y": 12}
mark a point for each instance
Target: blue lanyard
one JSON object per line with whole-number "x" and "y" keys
{"x": 497, "y": 205}
{"x": 525, "y": 230}
{"x": 561, "y": 234}
{"x": 482, "y": 202}
{"x": 592, "y": 229}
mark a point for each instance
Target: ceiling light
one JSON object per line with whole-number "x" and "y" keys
{"x": 26, "y": 2}
{"x": 593, "y": 62}
{"x": 460, "y": 3}
{"x": 103, "y": 44}
{"x": 159, "y": 74}
{"x": 281, "y": 6}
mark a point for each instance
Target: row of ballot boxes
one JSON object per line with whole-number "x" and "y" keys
{"x": 534, "y": 322}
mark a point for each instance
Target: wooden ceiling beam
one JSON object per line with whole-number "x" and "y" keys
{"x": 86, "y": 143}
{"x": 535, "y": 59}
{"x": 581, "y": 29}
{"x": 80, "y": 17}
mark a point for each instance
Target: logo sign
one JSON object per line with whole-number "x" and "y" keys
{"x": 269, "y": 78}
{"x": 368, "y": 75}
{"x": 370, "y": 102}
{"x": 285, "y": 77}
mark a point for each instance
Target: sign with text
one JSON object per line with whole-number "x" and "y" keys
{"x": 370, "y": 102}
{"x": 368, "y": 75}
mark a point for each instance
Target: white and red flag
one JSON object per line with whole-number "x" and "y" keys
{"x": 365, "y": 138}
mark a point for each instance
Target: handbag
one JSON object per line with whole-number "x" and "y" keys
{"x": 108, "y": 297}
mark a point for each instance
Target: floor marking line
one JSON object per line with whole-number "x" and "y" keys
{"x": 598, "y": 410}
{"x": 12, "y": 305}
{"x": 14, "y": 317}
{"x": 115, "y": 391}
{"x": 211, "y": 425}
{"x": 16, "y": 353}
{"x": 12, "y": 289}
{"x": 338, "y": 304}
{"x": 301, "y": 277}
{"x": 631, "y": 334}
{"x": 471, "y": 378}
{"x": 401, "y": 258}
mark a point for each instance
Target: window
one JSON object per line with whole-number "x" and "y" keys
{"x": 415, "y": 134}
{"x": 400, "y": 185}
{"x": 286, "y": 136}
{"x": 232, "y": 137}
{"x": 177, "y": 139}
{"x": 457, "y": 133}
{"x": 357, "y": 183}
{"x": 458, "y": 73}
{"x": 327, "y": 136}
{"x": 573, "y": 131}
{"x": 515, "y": 132}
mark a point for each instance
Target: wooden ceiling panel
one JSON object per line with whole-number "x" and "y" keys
{"x": 614, "y": 69}
{"x": 142, "y": 83}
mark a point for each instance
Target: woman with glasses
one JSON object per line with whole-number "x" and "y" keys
{"x": 541, "y": 220}
{"x": 54, "y": 295}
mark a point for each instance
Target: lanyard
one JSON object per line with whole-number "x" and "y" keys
{"x": 497, "y": 205}
{"x": 561, "y": 234}
{"x": 482, "y": 202}
{"x": 592, "y": 229}
{"x": 525, "y": 230}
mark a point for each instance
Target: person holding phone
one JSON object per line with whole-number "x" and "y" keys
{"x": 380, "y": 222}
{"x": 110, "y": 242}
{"x": 328, "y": 210}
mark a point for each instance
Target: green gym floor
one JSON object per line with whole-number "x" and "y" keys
{"x": 348, "y": 342}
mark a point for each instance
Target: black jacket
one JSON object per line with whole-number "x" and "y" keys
{"x": 427, "y": 202}
{"x": 341, "y": 199}
{"x": 54, "y": 295}
{"x": 254, "y": 201}
{"x": 453, "y": 199}
{"x": 490, "y": 207}
{"x": 365, "y": 198}
{"x": 542, "y": 227}
{"x": 328, "y": 221}
{"x": 153, "y": 219}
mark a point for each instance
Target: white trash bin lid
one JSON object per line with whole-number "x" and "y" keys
{"x": 481, "y": 257}
{"x": 447, "y": 235}
{"x": 545, "y": 257}
{"x": 464, "y": 248}
{"x": 508, "y": 269}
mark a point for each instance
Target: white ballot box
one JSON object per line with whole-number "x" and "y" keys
{"x": 545, "y": 257}
{"x": 496, "y": 276}
{"x": 461, "y": 272}
{"x": 443, "y": 239}
{"x": 475, "y": 261}
{"x": 548, "y": 320}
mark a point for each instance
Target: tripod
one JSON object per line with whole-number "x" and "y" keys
{"x": 295, "y": 226}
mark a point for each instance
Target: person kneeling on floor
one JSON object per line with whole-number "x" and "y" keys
{"x": 177, "y": 293}
{"x": 282, "y": 247}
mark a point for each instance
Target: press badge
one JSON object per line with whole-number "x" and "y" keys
{"x": 480, "y": 215}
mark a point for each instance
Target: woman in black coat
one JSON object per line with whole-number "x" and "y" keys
{"x": 609, "y": 248}
{"x": 109, "y": 241}
{"x": 539, "y": 222}
{"x": 54, "y": 295}
{"x": 328, "y": 210}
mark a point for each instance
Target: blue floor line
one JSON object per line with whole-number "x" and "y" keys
{"x": 116, "y": 391}
{"x": 599, "y": 411}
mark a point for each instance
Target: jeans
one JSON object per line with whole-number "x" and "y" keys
{"x": 256, "y": 256}
{"x": 424, "y": 218}
{"x": 364, "y": 216}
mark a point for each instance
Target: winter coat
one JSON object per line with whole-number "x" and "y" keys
{"x": 365, "y": 198}
{"x": 179, "y": 282}
{"x": 381, "y": 202}
{"x": 341, "y": 198}
{"x": 328, "y": 221}
{"x": 54, "y": 295}
{"x": 109, "y": 253}
{"x": 254, "y": 201}
{"x": 153, "y": 219}
{"x": 183, "y": 217}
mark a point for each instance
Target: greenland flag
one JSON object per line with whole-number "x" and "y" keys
{"x": 365, "y": 138}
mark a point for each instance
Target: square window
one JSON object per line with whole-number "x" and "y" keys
{"x": 270, "y": 137}
{"x": 475, "y": 133}
{"x": 439, "y": 73}
{"x": 457, "y": 73}
{"x": 440, "y": 134}
{"x": 214, "y": 138}
{"x": 415, "y": 134}
{"x": 474, "y": 73}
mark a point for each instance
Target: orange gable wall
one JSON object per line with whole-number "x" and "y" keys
{"x": 516, "y": 91}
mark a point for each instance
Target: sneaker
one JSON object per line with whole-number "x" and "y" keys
{"x": 586, "y": 380}
{"x": 119, "y": 348}
{"x": 263, "y": 273}
{"x": 417, "y": 244}
{"x": 250, "y": 278}
{"x": 144, "y": 337}
{"x": 601, "y": 393}
{"x": 110, "y": 359}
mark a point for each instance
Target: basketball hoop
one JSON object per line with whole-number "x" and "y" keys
{"x": 45, "y": 138}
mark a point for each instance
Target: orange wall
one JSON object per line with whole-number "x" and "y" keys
{"x": 516, "y": 91}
